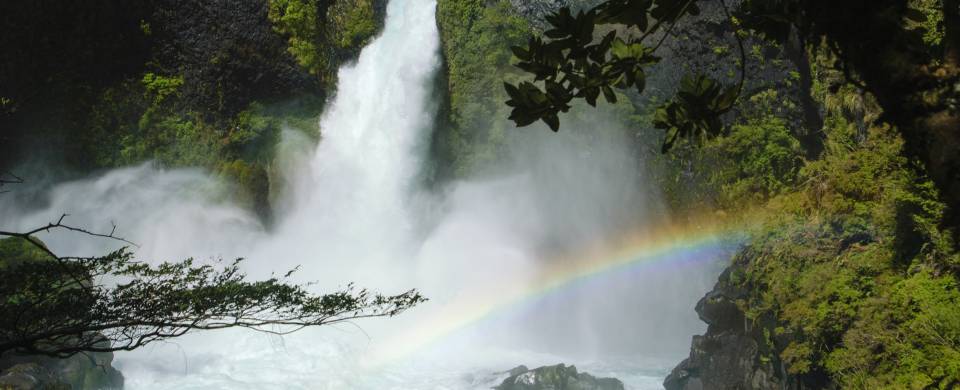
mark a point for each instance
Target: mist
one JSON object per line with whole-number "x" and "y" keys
{"x": 354, "y": 209}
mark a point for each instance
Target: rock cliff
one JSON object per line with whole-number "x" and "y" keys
{"x": 733, "y": 353}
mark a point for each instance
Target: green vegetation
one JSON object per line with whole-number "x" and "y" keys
{"x": 14, "y": 252}
{"x": 135, "y": 122}
{"x": 139, "y": 121}
{"x": 852, "y": 274}
{"x": 355, "y": 22}
{"x": 253, "y": 182}
{"x": 323, "y": 33}
{"x": 476, "y": 39}
{"x": 300, "y": 20}
{"x": 859, "y": 277}
{"x": 758, "y": 158}
{"x": 931, "y": 24}
{"x": 159, "y": 87}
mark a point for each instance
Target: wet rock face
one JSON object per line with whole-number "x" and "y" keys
{"x": 558, "y": 377}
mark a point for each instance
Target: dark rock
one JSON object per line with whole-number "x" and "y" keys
{"x": 59, "y": 42}
{"x": 727, "y": 356}
{"x": 558, "y": 377}
{"x": 30, "y": 376}
{"x": 64, "y": 52}
{"x": 734, "y": 353}
{"x": 227, "y": 52}
{"x": 706, "y": 45}
{"x": 536, "y": 10}
{"x": 518, "y": 370}
{"x": 716, "y": 308}
{"x": 92, "y": 371}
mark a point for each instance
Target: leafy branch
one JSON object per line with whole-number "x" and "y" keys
{"x": 570, "y": 62}
{"x": 58, "y": 306}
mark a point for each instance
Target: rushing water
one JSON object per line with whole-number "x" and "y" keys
{"x": 354, "y": 210}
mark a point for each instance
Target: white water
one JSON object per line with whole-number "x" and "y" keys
{"x": 355, "y": 211}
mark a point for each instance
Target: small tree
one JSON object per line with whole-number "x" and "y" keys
{"x": 60, "y": 306}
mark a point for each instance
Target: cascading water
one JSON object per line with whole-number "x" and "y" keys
{"x": 487, "y": 252}
{"x": 356, "y": 189}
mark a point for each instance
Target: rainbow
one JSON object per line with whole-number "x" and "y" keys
{"x": 667, "y": 245}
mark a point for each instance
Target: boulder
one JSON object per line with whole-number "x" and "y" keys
{"x": 92, "y": 371}
{"x": 31, "y": 376}
{"x": 558, "y": 377}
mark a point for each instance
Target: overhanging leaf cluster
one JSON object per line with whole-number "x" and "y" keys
{"x": 696, "y": 110}
{"x": 572, "y": 62}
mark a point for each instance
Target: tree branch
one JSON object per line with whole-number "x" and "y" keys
{"x": 60, "y": 225}
{"x": 7, "y": 177}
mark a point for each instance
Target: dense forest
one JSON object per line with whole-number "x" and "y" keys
{"x": 838, "y": 155}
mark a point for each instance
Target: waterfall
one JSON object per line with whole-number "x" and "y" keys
{"x": 352, "y": 201}
{"x": 355, "y": 212}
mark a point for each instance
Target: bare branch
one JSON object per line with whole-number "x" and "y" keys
{"x": 60, "y": 225}
{"x": 7, "y": 177}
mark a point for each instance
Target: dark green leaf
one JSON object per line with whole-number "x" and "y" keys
{"x": 552, "y": 121}
{"x": 609, "y": 95}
